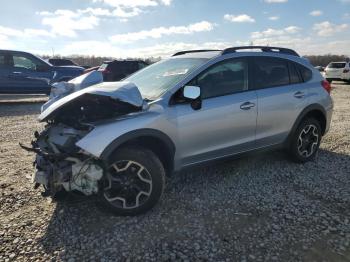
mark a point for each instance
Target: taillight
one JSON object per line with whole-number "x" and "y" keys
{"x": 346, "y": 71}
{"x": 326, "y": 85}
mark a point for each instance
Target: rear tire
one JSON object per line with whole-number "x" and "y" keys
{"x": 305, "y": 141}
{"x": 135, "y": 180}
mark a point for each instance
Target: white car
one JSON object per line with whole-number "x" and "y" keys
{"x": 338, "y": 71}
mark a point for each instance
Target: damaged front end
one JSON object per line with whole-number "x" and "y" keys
{"x": 60, "y": 163}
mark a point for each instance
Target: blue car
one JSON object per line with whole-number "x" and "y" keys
{"x": 25, "y": 73}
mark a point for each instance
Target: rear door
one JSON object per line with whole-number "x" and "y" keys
{"x": 28, "y": 75}
{"x": 282, "y": 96}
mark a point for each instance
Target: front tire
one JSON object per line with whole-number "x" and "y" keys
{"x": 305, "y": 141}
{"x": 135, "y": 180}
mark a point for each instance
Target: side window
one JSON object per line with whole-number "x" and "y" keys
{"x": 305, "y": 73}
{"x": 294, "y": 74}
{"x": 224, "y": 78}
{"x": 270, "y": 72}
{"x": 23, "y": 62}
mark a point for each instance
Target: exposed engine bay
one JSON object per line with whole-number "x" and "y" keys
{"x": 60, "y": 164}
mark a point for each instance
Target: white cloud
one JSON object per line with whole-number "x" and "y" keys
{"x": 328, "y": 29}
{"x": 305, "y": 45}
{"x": 161, "y": 31}
{"x": 128, "y": 3}
{"x": 7, "y": 31}
{"x": 63, "y": 22}
{"x": 166, "y": 2}
{"x": 127, "y": 8}
{"x": 275, "y": 1}
{"x": 243, "y": 18}
{"x": 274, "y": 18}
{"x": 292, "y": 29}
{"x": 108, "y": 49}
{"x": 120, "y": 12}
{"x": 95, "y": 11}
{"x": 28, "y": 32}
{"x": 68, "y": 24}
{"x": 270, "y": 32}
{"x": 316, "y": 13}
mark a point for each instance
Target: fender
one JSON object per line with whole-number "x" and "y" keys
{"x": 303, "y": 113}
{"x": 136, "y": 134}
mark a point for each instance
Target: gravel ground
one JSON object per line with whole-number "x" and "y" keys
{"x": 261, "y": 208}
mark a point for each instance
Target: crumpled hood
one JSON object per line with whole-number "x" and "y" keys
{"x": 62, "y": 89}
{"x": 124, "y": 92}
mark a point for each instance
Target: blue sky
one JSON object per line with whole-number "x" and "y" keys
{"x": 142, "y": 28}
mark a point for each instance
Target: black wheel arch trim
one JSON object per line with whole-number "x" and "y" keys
{"x": 136, "y": 134}
{"x": 301, "y": 116}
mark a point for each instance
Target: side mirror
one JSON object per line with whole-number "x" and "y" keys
{"x": 193, "y": 93}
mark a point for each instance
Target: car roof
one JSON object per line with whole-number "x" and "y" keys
{"x": 210, "y": 53}
{"x": 207, "y": 55}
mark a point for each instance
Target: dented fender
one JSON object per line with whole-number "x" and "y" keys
{"x": 97, "y": 141}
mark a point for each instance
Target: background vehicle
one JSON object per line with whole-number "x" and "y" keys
{"x": 338, "y": 71}
{"x": 64, "y": 62}
{"x": 24, "y": 73}
{"x": 120, "y": 139}
{"x": 118, "y": 69}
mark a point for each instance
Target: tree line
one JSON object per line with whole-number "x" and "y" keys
{"x": 97, "y": 60}
{"x": 324, "y": 60}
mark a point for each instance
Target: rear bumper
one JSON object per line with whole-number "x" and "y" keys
{"x": 341, "y": 77}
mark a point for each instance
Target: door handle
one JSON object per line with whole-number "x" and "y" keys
{"x": 299, "y": 94}
{"x": 17, "y": 74}
{"x": 247, "y": 105}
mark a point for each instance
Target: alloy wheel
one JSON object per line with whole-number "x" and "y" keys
{"x": 129, "y": 184}
{"x": 308, "y": 140}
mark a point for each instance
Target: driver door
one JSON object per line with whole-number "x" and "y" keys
{"x": 26, "y": 75}
{"x": 226, "y": 122}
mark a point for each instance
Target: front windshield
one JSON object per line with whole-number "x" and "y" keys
{"x": 155, "y": 79}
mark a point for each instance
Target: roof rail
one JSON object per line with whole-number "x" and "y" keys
{"x": 194, "y": 51}
{"x": 272, "y": 49}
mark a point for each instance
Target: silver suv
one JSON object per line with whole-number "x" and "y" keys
{"x": 120, "y": 139}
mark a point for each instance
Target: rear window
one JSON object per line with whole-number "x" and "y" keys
{"x": 305, "y": 72}
{"x": 294, "y": 74}
{"x": 270, "y": 72}
{"x": 336, "y": 65}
